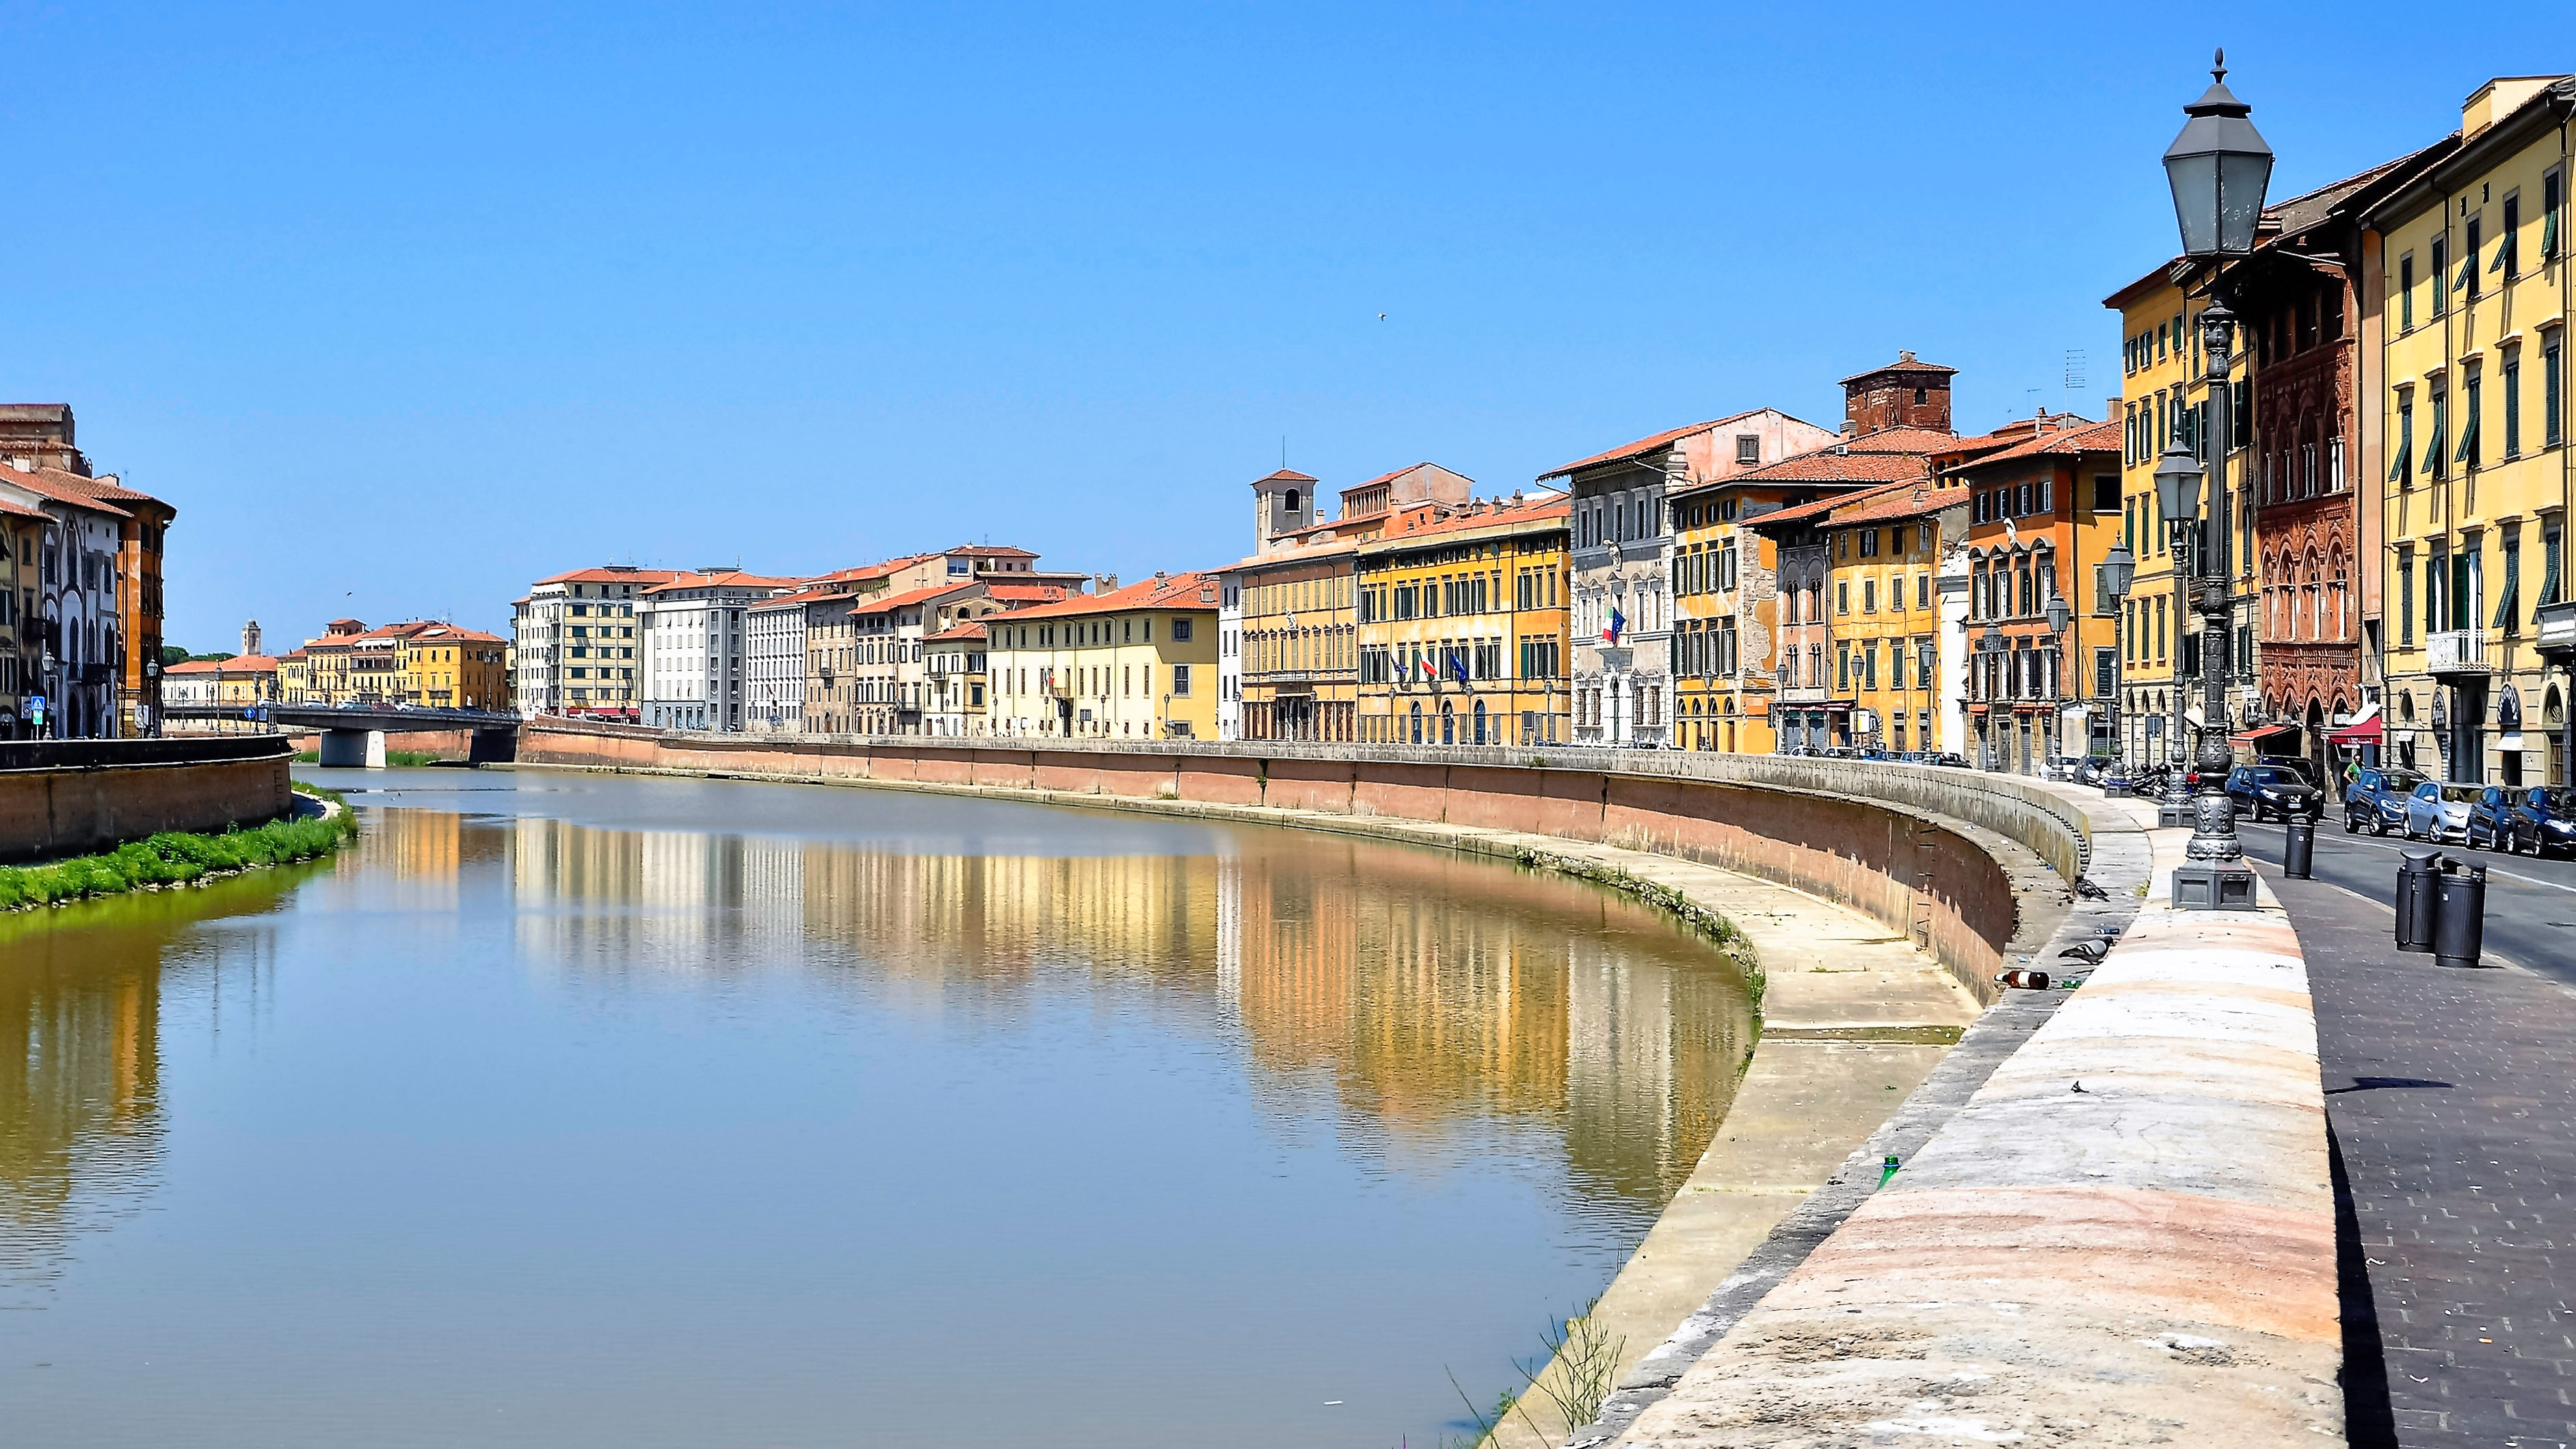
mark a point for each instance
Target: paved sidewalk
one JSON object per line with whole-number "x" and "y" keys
{"x": 2451, "y": 1095}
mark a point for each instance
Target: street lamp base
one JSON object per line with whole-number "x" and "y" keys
{"x": 2208, "y": 886}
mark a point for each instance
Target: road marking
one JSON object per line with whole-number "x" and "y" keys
{"x": 2465, "y": 855}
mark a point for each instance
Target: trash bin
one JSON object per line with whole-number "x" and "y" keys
{"x": 2460, "y": 922}
{"x": 2419, "y": 879}
{"x": 2299, "y": 848}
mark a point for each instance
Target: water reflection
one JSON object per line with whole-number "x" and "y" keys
{"x": 1344, "y": 967}
{"x": 83, "y": 996}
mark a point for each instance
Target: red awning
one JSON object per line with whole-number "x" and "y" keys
{"x": 2370, "y": 729}
{"x": 2266, "y": 732}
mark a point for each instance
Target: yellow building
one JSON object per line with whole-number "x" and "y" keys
{"x": 445, "y": 667}
{"x": 2472, "y": 300}
{"x": 295, "y": 677}
{"x": 2164, "y": 401}
{"x": 1882, "y": 550}
{"x": 1462, "y": 627}
{"x": 1132, "y": 663}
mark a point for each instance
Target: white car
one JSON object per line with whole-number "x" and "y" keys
{"x": 2439, "y": 811}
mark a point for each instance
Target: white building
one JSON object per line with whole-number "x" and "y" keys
{"x": 957, "y": 705}
{"x": 77, "y": 579}
{"x": 774, "y": 666}
{"x": 893, "y": 670}
{"x": 695, "y": 649}
{"x": 574, "y": 642}
{"x": 1229, "y": 657}
{"x": 1621, "y": 614}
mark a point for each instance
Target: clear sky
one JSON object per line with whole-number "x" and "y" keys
{"x": 405, "y": 306}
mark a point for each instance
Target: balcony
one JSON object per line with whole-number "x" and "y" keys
{"x": 2456, "y": 651}
{"x": 2558, "y": 628}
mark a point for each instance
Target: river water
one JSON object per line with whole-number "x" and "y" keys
{"x": 572, "y": 1110}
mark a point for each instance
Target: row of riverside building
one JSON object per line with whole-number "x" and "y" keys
{"x": 80, "y": 586}
{"x": 2402, "y": 484}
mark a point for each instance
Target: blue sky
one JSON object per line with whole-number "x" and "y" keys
{"x": 405, "y": 309}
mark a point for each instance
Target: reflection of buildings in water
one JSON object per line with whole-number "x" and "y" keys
{"x": 1426, "y": 990}
{"x": 404, "y": 860}
{"x": 85, "y": 998}
{"x": 1435, "y": 995}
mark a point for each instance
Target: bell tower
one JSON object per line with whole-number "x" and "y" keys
{"x": 1283, "y": 502}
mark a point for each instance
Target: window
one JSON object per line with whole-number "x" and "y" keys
{"x": 2553, "y": 541}
{"x": 2508, "y": 601}
{"x": 2441, "y": 270}
{"x": 2506, "y": 260}
{"x": 2406, "y": 292}
{"x": 2106, "y": 492}
{"x": 1923, "y": 591}
{"x": 2472, "y": 394}
{"x": 2553, "y": 389}
{"x": 1842, "y": 597}
{"x": 2553, "y": 202}
{"x": 1748, "y": 448}
{"x": 2434, "y": 462}
{"x": 2469, "y": 277}
{"x": 1869, "y": 543}
{"x": 1869, "y": 596}
{"x": 2509, "y": 382}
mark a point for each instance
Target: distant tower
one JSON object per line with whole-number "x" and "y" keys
{"x": 1284, "y": 502}
{"x": 250, "y": 637}
{"x": 1906, "y": 393}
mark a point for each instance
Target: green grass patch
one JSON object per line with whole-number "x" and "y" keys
{"x": 173, "y": 858}
{"x": 398, "y": 758}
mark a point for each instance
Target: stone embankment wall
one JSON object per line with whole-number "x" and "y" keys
{"x": 456, "y": 745}
{"x": 72, "y": 797}
{"x": 1977, "y": 867}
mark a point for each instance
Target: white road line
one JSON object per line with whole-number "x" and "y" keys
{"x": 2465, "y": 854}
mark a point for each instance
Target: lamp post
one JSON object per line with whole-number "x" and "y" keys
{"x": 2117, "y": 569}
{"x": 1990, "y": 644}
{"x": 2058, "y": 615}
{"x": 152, "y": 698}
{"x": 2218, "y": 169}
{"x": 53, "y": 728}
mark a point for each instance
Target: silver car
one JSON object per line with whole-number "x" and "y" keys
{"x": 2439, "y": 811}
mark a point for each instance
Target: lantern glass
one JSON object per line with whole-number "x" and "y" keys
{"x": 2119, "y": 567}
{"x": 2178, "y": 480}
{"x": 2218, "y": 168}
{"x": 2057, "y": 613}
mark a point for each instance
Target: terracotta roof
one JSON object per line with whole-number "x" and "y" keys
{"x": 1885, "y": 456}
{"x": 960, "y": 634}
{"x": 612, "y": 574}
{"x": 452, "y": 634}
{"x": 2101, "y": 437}
{"x": 909, "y": 598}
{"x": 41, "y": 482}
{"x": 1886, "y": 505}
{"x": 1902, "y": 364}
{"x": 1293, "y": 553}
{"x": 723, "y": 579}
{"x": 1547, "y": 508}
{"x": 20, "y": 510}
{"x": 992, "y": 550}
{"x": 107, "y": 488}
{"x": 1817, "y": 510}
{"x": 1174, "y": 591}
{"x": 1284, "y": 475}
{"x": 1025, "y": 593}
{"x": 1643, "y": 446}
{"x": 295, "y": 653}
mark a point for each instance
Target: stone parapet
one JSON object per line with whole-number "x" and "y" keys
{"x": 73, "y": 797}
{"x": 2126, "y": 1235}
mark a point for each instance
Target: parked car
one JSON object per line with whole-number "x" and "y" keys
{"x": 2376, "y": 801}
{"x": 1950, "y": 758}
{"x": 2277, "y": 790}
{"x": 2436, "y": 810}
{"x": 2539, "y": 819}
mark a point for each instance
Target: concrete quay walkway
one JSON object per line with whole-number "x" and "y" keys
{"x": 2452, "y": 1099}
{"x": 2125, "y": 1237}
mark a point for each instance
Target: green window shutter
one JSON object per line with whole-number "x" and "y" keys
{"x": 2468, "y": 438}
{"x": 2549, "y": 236}
{"x": 2550, "y": 544}
{"x": 2468, "y": 273}
{"x": 2504, "y": 614}
{"x": 2504, "y": 252}
{"x": 2433, "y": 451}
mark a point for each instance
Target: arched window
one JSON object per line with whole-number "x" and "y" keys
{"x": 1294, "y": 498}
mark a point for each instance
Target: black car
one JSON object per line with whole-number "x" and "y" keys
{"x": 2535, "y": 820}
{"x": 2281, "y": 790}
{"x": 2376, "y": 801}
{"x": 1950, "y": 759}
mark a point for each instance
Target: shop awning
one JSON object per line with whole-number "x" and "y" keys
{"x": 2265, "y": 732}
{"x": 2366, "y": 730}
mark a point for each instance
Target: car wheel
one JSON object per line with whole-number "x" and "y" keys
{"x": 2351, "y": 826}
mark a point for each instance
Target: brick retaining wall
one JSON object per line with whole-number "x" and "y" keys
{"x": 73, "y": 797}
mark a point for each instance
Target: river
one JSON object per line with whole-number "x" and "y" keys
{"x": 572, "y": 1110}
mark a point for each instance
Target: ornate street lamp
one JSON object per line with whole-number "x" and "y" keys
{"x": 2118, "y": 568}
{"x": 2218, "y": 168}
{"x": 1990, "y": 643}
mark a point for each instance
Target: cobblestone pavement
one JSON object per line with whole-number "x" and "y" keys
{"x": 2451, "y": 1095}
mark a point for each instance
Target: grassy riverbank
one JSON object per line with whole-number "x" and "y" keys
{"x": 176, "y": 859}
{"x": 396, "y": 759}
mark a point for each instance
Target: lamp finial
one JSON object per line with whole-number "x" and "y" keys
{"x": 2218, "y": 66}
